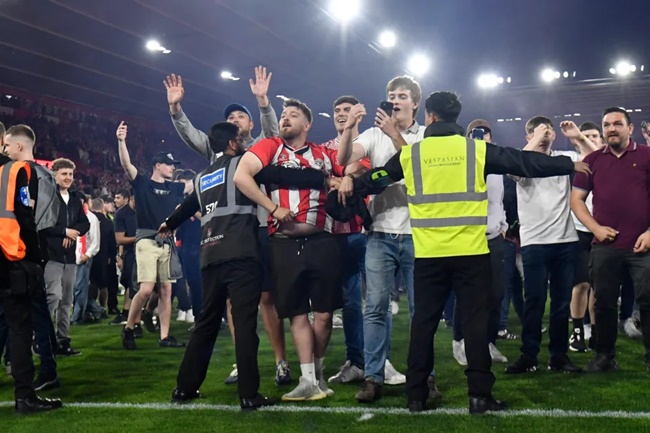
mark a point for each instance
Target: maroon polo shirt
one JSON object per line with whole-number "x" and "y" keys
{"x": 621, "y": 191}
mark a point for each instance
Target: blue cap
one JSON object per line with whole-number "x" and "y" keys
{"x": 236, "y": 107}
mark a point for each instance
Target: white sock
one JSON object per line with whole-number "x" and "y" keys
{"x": 309, "y": 372}
{"x": 318, "y": 364}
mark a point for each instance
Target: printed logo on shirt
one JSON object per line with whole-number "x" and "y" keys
{"x": 213, "y": 179}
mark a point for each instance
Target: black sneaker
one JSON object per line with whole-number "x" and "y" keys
{"x": 147, "y": 320}
{"x": 64, "y": 349}
{"x": 525, "y": 364}
{"x": 370, "y": 391}
{"x": 563, "y": 363}
{"x": 43, "y": 383}
{"x": 481, "y": 405}
{"x": 577, "y": 342}
{"x": 137, "y": 331}
{"x": 170, "y": 342}
{"x": 128, "y": 339}
{"x": 602, "y": 363}
{"x": 36, "y": 349}
{"x": 119, "y": 320}
{"x": 115, "y": 312}
{"x": 183, "y": 397}
{"x": 254, "y": 403}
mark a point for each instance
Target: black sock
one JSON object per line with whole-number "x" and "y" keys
{"x": 578, "y": 326}
{"x": 125, "y": 313}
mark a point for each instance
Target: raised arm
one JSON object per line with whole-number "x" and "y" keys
{"x": 572, "y": 132}
{"x": 196, "y": 140}
{"x": 125, "y": 159}
{"x": 268, "y": 117}
{"x": 348, "y": 151}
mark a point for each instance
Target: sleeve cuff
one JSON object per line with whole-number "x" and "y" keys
{"x": 177, "y": 116}
{"x": 266, "y": 110}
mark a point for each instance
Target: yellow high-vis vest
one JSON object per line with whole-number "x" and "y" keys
{"x": 447, "y": 196}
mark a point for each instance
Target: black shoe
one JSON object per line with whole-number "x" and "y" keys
{"x": 36, "y": 350}
{"x": 44, "y": 383}
{"x": 254, "y": 403}
{"x": 119, "y": 320}
{"x": 182, "y": 397}
{"x": 137, "y": 331}
{"x": 170, "y": 342}
{"x": 563, "y": 363}
{"x": 64, "y": 349}
{"x": 602, "y": 363}
{"x": 115, "y": 312}
{"x": 370, "y": 391}
{"x": 479, "y": 405}
{"x": 35, "y": 404}
{"x": 577, "y": 342}
{"x": 524, "y": 364}
{"x": 417, "y": 406}
{"x": 191, "y": 328}
{"x": 147, "y": 319}
{"x": 128, "y": 338}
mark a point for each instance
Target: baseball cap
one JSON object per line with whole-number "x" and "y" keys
{"x": 164, "y": 158}
{"x": 478, "y": 123}
{"x": 236, "y": 107}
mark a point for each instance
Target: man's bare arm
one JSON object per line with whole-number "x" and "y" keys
{"x": 125, "y": 159}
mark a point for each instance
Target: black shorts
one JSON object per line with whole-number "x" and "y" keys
{"x": 306, "y": 274}
{"x": 582, "y": 258}
{"x": 265, "y": 258}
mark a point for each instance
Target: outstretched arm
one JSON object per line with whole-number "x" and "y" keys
{"x": 125, "y": 159}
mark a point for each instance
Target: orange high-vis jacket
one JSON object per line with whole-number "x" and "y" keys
{"x": 12, "y": 245}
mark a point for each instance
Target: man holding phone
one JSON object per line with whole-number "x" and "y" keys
{"x": 390, "y": 245}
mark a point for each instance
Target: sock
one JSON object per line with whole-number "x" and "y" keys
{"x": 318, "y": 366}
{"x": 578, "y": 326}
{"x": 309, "y": 372}
{"x": 125, "y": 313}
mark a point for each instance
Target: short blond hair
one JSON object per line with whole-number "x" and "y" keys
{"x": 408, "y": 83}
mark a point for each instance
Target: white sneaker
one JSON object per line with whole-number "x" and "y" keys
{"x": 631, "y": 330}
{"x": 337, "y": 322}
{"x": 394, "y": 307}
{"x": 189, "y": 316}
{"x": 305, "y": 391}
{"x": 348, "y": 373}
{"x": 458, "y": 349}
{"x": 587, "y": 332}
{"x": 182, "y": 316}
{"x": 496, "y": 355}
{"x": 233, "y": 377}
{"x": 392, "y": 376}
{"x": 322, "y": 385}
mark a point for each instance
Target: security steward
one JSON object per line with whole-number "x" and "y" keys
{"x": 447, "y": 194}
{"x": 230, "y": 263}
{"x": 21, "y": 278}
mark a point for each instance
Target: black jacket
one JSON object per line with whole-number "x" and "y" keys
{"x": 25, "y": 216}
{"x": 498, "y": 160}
{"x": 71, "y": 216}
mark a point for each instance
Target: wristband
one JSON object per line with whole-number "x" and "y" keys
{"x": 276, "y": 208}
{"x": 351, "y": 176}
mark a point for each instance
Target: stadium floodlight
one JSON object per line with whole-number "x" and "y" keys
{"x": 154, "y": 45}
{"x": 227, "y": 75}
{"x": 549, "y": 75}
{"x": 324, "y": 115}
{"x": 166, "y": 51}
{"x": 345, "y": 11}
{"x": 624, "y": 68}
{"x": 488, "y": 81}
{"x": 612, "y": 71}
{"x": 418, "y": 64}
{"x": 388, "y": 39}
{"x": 566, "y": 74}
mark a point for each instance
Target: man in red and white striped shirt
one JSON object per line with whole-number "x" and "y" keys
{"x": 305, "y": 257}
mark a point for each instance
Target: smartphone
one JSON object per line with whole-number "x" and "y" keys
{"x": 478, "y": 133}
{"x": 387, "y": 107}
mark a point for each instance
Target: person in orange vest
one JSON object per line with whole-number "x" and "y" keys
{"x": 21, "y": 277}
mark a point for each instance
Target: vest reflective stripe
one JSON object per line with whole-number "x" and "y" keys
{"x": 231, "y": 208}
{"x": 447, "y": 196}
{"x": 470, "y": 195}
{"x": 11, "y": 243}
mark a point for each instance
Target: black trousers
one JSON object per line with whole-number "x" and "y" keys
{"x": 242, "y": 281}
{"x": 18, "y": 314}
{"x": 113, "y": 286}
{"x": 434, "y": 279}
{"x": 608, "y": 267}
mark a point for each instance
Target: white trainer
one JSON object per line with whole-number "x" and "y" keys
{"x": 392, "y": 376}
{"x": 458, "y": 349}
{"x": 348, "y": 373}
{"x": 305, "y": 391}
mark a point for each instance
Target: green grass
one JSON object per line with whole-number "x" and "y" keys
{"x": 107, "y": 373}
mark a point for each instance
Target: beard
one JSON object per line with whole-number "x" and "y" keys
{"x": 288, "y": 134}
{"x": 615, "y": 142}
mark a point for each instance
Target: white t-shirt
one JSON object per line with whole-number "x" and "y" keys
{"x": 544, "y": 208}
{"x": 389, "y": 210}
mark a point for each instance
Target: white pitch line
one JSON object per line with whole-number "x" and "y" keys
{"x": 282, "y": 408}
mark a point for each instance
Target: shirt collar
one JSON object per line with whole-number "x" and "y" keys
{"x": 630, "y": 148}
{"x": 413, "y": 129}
{"x": 443, "y": 129}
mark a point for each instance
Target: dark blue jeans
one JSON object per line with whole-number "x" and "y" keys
{"x": 554, "y": 262}
{"x": 514, "y": 285}
{"x": 191, "y": 262}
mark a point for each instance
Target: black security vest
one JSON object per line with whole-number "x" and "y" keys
{"x": 228, "y": 218}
